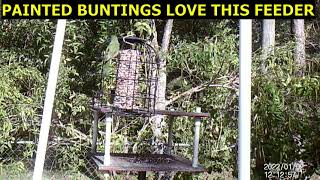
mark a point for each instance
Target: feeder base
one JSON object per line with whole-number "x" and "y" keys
{"x": 146, "y": 162}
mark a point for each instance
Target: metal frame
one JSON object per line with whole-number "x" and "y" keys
{"x": 170, "y": 135}
{"x": 108, "y": 132}
{"x": 137, "y": 65}
{"x": 94, "y": 132}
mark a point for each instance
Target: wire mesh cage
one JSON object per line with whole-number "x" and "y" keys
{"x": 129, "y": 81}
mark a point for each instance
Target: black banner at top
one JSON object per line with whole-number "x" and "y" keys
{"x": 159, "y": 9}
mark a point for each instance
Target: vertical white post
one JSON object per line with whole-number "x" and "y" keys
{"x": 107, "y": 145}
{"x": 196, "y": 139}
{"x": 244, "y": 124}
{"x": 49, "y": 100}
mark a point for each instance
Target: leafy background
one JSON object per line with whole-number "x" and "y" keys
{"x": 285, "y": 109}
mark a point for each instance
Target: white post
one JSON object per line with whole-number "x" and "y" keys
{"x": 49, "y": 100}
{"x": 244, "y": 124}
{"x": 107, "y": 145}
{"x": 196, "y": 139}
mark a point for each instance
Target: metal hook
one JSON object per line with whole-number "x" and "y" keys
{"x": 124, "y": 40}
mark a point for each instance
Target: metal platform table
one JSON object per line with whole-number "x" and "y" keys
{"x": 145, "y": 162}
{"x": 145, "y": 112}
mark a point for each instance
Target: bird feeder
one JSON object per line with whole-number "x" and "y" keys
{"x": 129, "y": 89}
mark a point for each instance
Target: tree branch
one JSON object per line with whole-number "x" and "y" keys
{"x": 223, "y": 85}
{"x": 197, "y": 89}
{"x": 188, "y": 92}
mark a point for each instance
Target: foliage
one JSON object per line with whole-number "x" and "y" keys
{"x": 21, "y": 92}
{"x": 203, "y": 55}
{"x": 211, "y": 60}
{"x": 286, "y": 112}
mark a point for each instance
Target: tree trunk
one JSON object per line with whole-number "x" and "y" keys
{"x": 268, "y": 41}
{"x": 299, "y": 51}
{"x": 162, "y": 82}
{"x": 157, "y": 121}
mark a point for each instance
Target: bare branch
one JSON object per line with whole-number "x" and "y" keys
{"x": 197, "y": 89}
{"x": 188, "y": 92}
{"x": 223, "y": 85}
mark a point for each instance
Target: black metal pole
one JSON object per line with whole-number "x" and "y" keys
{"x": 142, "y": 175}
{"x": 94, "y": 133}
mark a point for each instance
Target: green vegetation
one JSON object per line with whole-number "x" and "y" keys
{"x": 203, "y": 54}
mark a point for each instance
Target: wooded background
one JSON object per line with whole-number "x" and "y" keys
{"x": 199, "y": 67}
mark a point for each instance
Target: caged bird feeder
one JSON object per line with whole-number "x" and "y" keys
{"x": 132, "y": 79}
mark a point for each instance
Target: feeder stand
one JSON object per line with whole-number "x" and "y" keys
{"x": 134, "y": 81}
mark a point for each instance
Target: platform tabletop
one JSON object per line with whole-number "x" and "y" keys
{"x": 146, "y": 162}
